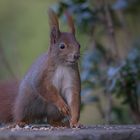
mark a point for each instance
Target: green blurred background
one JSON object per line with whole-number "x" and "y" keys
{"x": 109, "y": 34}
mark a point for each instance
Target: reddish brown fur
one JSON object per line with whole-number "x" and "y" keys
{"x": 39, "y": 97}
{"x": 8, "y": 93}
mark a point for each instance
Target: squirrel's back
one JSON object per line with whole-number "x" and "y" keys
{"x": 33, "y": 75}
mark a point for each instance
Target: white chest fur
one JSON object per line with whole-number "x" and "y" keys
{"x": 62, "y": 80}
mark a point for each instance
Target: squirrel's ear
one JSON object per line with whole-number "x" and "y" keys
{"x": 70, "y": 22}
{"x": 54, "y": 26}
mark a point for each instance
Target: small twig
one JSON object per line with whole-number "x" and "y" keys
{"x": 110, "y": 29}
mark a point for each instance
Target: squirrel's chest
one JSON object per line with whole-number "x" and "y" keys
{"x": 62, "y": 79}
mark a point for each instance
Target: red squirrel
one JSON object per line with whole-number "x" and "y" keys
{"x": 51, "y": 88}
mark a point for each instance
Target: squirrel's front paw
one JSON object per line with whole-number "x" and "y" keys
{"x": 63, "y": 107}
{"x": 75, "y": 124}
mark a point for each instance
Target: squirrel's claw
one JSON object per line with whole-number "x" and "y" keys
{"x": 75, "y": 124}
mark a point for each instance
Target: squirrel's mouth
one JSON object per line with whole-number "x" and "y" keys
{"x": 71, "y": 62}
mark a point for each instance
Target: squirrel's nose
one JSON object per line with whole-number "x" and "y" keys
{"x": 76, "y": 56}
{"x": 73, "y": 57}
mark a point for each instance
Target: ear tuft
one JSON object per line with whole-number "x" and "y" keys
{"x": 54, "y": 25}
{"x": 70, "y": 22}
{"x": 53, "y": 20}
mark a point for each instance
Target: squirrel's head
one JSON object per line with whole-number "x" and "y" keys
{"x": 64, "y": 47}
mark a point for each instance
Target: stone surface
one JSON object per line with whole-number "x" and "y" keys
{"x": 96, "y": 132}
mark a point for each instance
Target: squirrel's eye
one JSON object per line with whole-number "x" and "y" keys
{"x": 62, "y": 46}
